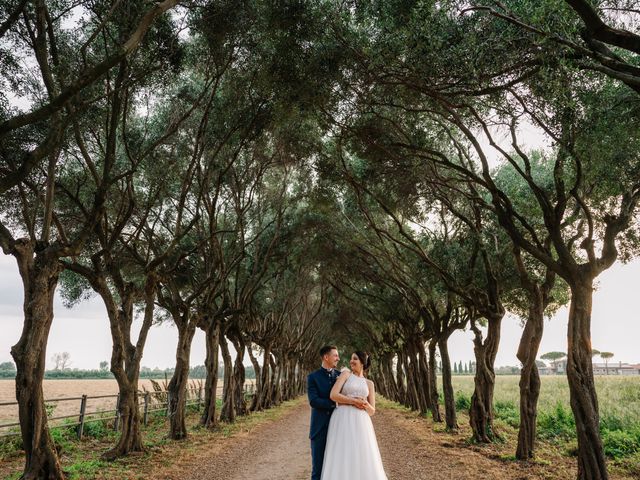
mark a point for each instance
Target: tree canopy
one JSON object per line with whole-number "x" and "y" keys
{"x": 283, "y": 175}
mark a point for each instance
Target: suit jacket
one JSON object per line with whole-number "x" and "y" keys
{"x": 319, "y": 385}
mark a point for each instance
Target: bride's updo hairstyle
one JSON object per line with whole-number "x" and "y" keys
{"x": 365, "y": 359}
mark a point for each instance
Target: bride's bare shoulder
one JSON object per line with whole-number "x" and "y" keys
{"x": 345, "y": 372}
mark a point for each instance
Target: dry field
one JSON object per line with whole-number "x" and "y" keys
{"x": 67, "y": 389}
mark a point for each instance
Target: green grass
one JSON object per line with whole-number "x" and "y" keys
{"x": 619, "y": 403}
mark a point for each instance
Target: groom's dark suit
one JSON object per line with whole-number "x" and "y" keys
{"x": 319, "y": 385}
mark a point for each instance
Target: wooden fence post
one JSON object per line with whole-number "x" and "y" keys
{"x": 83, "y": 409}
{"x": 168, "y": 402}
{"x": 117, "y": 420}
{"x": 146, "y": 408}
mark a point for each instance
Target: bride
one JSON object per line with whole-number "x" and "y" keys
{"x": 352, "y": 449}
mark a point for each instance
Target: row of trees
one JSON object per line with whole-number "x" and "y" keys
{"x": 281, "y": 176}
{"x": 150, "y": 158}
{"x": 461, "y": 368}
{"x": 458, "y": 220}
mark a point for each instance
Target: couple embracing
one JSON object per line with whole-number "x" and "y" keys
{"x": 343, "y": 442}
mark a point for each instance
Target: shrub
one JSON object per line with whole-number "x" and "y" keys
{"x": 508, "y": 412}
{"x": 557, "y": 423}
{"x": 97, "y": 429}
{"x": 63, "y": 437}
{"x": 612, "y": 421}
{"x": 463, "y": 401}
{"x": 10, "y": 446}
{"x": 618, "y": 443}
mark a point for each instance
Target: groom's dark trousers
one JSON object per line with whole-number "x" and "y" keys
{"x": 319, "y": 385}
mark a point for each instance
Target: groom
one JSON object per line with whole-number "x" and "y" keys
{"x": 319, "y": 384}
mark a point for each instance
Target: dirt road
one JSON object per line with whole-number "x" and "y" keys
{"x": 410, "y": 450}
{"x": 278, "y": 450}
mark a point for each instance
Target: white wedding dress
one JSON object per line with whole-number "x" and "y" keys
{"x": 352, "y": 449}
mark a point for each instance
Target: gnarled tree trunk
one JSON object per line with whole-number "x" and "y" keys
{"x": 413, "y": 395}
{"x": 584, "y": 401}
{"x": 433, "y": 378}
{"x": 39, "y": 276}
{"x": 529, "y": 377}
{"x": 447, "y": 386}
{"x": 228, "y": 411}
{"x": 276, "y": 369}
{"x": 258, "y": 384}
{"x": 209, "y": 417}
{"x": 391, "y": 379}
{"x": 125, "y": 362}
{"x": 129, "y": 417}
{"x": 263, "y": 393}
{"x": 239, "y": 377}
{"x": 402, "y": 393}
{"x": 481, "y": 412}
{"x": 177, "y": 388}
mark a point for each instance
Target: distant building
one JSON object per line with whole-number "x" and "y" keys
{"x": 561, "y": 367}
{"x": 616, "y": 368}
{"x": 556, "y": 368}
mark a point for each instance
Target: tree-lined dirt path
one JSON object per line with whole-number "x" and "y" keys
{"x": 410, "y": 449}
{"x": 273, "y": 445}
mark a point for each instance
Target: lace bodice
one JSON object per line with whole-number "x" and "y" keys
{"x": 355, "y": 387}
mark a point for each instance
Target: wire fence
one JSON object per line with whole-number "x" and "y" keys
{"x": 152, "y": 401}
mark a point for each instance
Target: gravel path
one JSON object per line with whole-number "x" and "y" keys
{"x": 410, "y": 450}
{"x": 272, "y": 451}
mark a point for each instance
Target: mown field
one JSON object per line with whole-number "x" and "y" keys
{"x": 66, "y": 389}
{"x": 619, "y": 400}
{"x": 73, "y": 389}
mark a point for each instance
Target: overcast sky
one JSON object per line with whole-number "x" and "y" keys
{"x": 83, "y": 331}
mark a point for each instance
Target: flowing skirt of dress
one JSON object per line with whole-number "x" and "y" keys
{"x": 352, "y": 449}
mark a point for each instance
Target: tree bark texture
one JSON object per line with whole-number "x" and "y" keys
{"x": 125, "y": 360}
{"x": 425, "y": 380}
{"x": 529, "y": 377}
{"x": 481, "y": 413}
{"x": 239, "y": 377}
{"x": 433, "y": 378}
{"x": 258, "y": 385}
{"x": 209, "y": 417}
{"x": 39, "y": 276}
{"x": 177, "y": 388}
{"x": 228, "y": 411}
{"x": 129, "y": 419}
{"x": 584, "y": 401}
{"x": 447, "y": 385}
{"x": 402, "y": 393}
